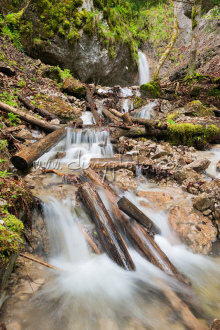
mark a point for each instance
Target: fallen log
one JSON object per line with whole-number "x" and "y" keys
{"x": 44, "y": 113}
{"x": 25, "y": 158}
{"x": 141, "y": 240}
{"x": 135, "y": 132}
{"x": 116, "y": 113}
{"x": 27, "y": 117}
{"x": 110, "y": 238}
{"x": 127, "y": 119}
{"x": 133, "y": 211}
{"x": 112, "y": 118}
{"x": 90, "y": 240}
{"x": 189, "y": 320}
{"x": 92, "y": 106}
{"x": 149, "y": 123}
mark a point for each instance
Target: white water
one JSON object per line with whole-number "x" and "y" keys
{"x": 146, "y": 111}
{"x": 80, "y": 146}
{"x": 93, "y": 292}
{"x": 93, "y": 288}
{"x": 143, "y": 69}
{"x": 87, "y": 118}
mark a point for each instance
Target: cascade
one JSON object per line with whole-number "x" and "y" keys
{"x": 146, "y": 111}
{"x": 144, "y": 75}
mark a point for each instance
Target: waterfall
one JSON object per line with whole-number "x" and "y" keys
{"x": 144, "y": 75}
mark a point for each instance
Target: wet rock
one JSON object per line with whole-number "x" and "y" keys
{"x": 125, "y": 179}
{"x": 166, "y": 106}
{"x": 218, "y": 166}
{"x": 193, "y": 228}
{"x": 60, "y": 154}
{"x": 199, "y": 165}
{"x": 202, "y": 202}
{"x": 186, "y": 174}
{"x": 31, "y": 288}
{"x": 156, "y": 200}
{"x": 37, "y": 238}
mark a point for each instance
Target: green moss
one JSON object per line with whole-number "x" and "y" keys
{"x": 196, "y": 108}
{"x": 192, "y": 135}
{"x": 73, "y": 36}
{"x": 137, "y": 102}
{"x": 151, "y": 90}
{"x": 10, "y": 237}
{"x": 172, "y": 116}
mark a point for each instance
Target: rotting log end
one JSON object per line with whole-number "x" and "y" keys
{"x": 19, "y": 163}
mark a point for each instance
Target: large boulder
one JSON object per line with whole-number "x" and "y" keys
{"x": 74, "y": 44}
{"x": 193, "y": 228}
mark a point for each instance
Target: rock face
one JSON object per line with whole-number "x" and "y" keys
{"x": 184, "y": 12}
{"x": 85, "y": 58}
{"x": 193, "y": 228}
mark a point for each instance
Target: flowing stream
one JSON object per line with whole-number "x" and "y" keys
{"x": 91, "y": 291}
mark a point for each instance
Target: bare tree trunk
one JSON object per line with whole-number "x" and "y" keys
{"x": 196, "y": 13}
{"x": 170, "y": 45}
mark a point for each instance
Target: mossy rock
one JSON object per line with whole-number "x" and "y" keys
{"x": 195, "y": 91}
{"x": 74, "y": 87}
{"x": 51, "y": 72}
{"x": 192, "y": 135}
{"x": 10, "y": 237}
{"x": 137, "y": 102}
{"x": 151, "y": 90}
{"x": 196, "y": 108}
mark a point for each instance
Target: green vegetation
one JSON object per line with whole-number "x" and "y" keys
{"x": 214, "y": 92}
{"x": 10, "y": 237}
{"x": 14, "y": 119}
{"x": 8, "y": 98}
{"x": 192, "y": 135}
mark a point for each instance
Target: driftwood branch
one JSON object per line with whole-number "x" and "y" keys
{"x": 40, "y": 262}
